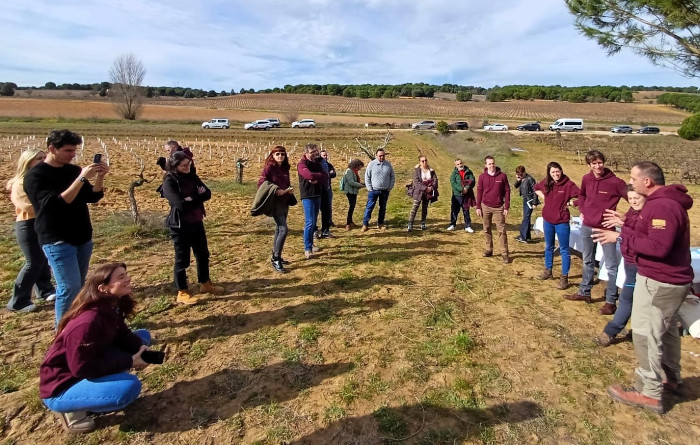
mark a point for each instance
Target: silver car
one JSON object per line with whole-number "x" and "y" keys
{"x": 423, "y": 125}
{"x": 304, "y": 123}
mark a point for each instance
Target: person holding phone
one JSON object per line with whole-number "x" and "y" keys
{"x": 275, "y": 175}
{"x": 86, "y": 368}
{"x": 60, "y": 192}
{"x": 186, "y": 194}
{"x": 525, "y": 184}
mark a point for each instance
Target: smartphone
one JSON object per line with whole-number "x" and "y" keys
{"x": 97, "y": 159}
{"x": 153, "y": 357}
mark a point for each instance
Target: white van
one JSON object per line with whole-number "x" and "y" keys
{"x": 567, "y": 124}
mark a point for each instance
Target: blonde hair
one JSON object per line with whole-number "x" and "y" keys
{"x": 23, "y": 162}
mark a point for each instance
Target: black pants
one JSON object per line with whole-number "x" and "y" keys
{"x": 36, "y": 270}
{"x": 186, "y": 238}
{"x": 352, "y": 200}
{"x": 280, "y": 234}
{"x": 326, "y": 206}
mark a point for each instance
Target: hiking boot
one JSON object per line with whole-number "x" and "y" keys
{"x": 630, "y": 396}
{"x": 487, "y": 253}
{"x": 185, "y": 297}
{"x": 422, "y": 225}
{"x": 365, "y": 228}
{"x": 451, "y": 227}
{"x": 545, "y": 275}
{"x": 209, "y": 288}
{"x": 607, "y": 309}
{"x": 603, "y": 340}
{"x": 76, "y": 422}
{"x": 468, "y": 229}
{"x": 578, "y": 297}
{"x": 410, "y": 227}
{"x": 563, "y": 282}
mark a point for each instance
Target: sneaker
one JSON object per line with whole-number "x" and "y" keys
{"x": 185, "y": 297}
{"x": 450, "y": 228}
{"x": 76, "y": 422}
{"x": 422, "y": 226}
{"x": 31, "y": 307}
{"x": 521, "y": 240}
{"x": 348, "y": 227}
{"x": 409, "y": 228}
{"x": 327, "y": 234}
{"x": 365, "y": 228}
{"x": 317, "y": 234}
{"x": 603, "y": 340}
{"x": 51, "y": 298}
{"x": 315, "y": 249}
{"x": 381, "y": 227}
{"x": 210, "y": 288}
{"x": 307, "y": 254}
{"x": 506, "y": 258}
{"x": 469, "y": 230}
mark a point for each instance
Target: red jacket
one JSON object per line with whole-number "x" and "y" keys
{"x": 660, "y": 242}
{"x": 94, "y": 344}
{"x": 493, "y": 191}
{"x": 599, "y": 194}
{"x": 555, "y": 210}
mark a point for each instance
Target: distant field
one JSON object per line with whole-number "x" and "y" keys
{"x": 333, "y": 109}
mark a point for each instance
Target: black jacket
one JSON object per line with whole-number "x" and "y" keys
{"x": 172, "y": 191}
{"x": 310, "y": 171}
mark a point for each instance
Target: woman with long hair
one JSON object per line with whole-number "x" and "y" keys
{"x": 557, "y": 191}
{"x": 424, "y": 191}
{"x": 351, "y": 186}
{"x": 275, "y": 175}
{"x": 86, "y": 366}
{"x": 186, "y": 194}
{"x": 36, "y": 270}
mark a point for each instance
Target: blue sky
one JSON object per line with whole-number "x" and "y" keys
{"x": 224, "y": 45}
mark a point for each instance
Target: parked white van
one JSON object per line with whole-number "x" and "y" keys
{"x": 567, "y": 124}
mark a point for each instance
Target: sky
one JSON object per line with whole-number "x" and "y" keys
{"x": 224, "y": 45}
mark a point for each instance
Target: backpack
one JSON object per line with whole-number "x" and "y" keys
{"x": 342, "y": 183}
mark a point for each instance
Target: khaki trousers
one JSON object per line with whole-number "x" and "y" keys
{"x": 655, "y": 333}
{"x": 494, "y": 213}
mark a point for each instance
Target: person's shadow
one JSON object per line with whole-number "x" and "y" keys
{"x": 421, "y": 423}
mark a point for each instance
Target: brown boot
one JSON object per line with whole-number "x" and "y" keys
{"x": 563, "y": 282}
{"x": 631, "y": 396}
{"x": 608, "y": 309}
{"x": 185, "y": 297}
{"x": 603, "y": 340}
{"x": 209, "y": 288}
{"x": 545, "y": 275}
{"x": 578, "y": 297}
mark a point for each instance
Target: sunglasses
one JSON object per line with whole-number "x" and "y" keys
{"x": 279, "y": 153}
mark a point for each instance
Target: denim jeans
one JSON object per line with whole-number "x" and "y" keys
{"x": 611, "y": 258}
{"x": 526, "y": 225}
{"x": 624, "y": 309}
{"x": 281, "y": 231}
{"x": 311, "y": 208}
{"x": 456, "y": 205}
{"x": 372, "y": 197}
{"x": 352, "y": 201}
{"x": 36, "y": 270}
{"x": 69, "y": 264}
{"x": 562, "y": 231}
{"x": 105, "y": 394}
{"x": 185, "y": 238}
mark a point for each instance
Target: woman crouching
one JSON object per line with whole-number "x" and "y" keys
{"x": 87, "y": 366}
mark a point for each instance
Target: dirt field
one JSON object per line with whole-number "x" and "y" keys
{"x": 385, "y": 337}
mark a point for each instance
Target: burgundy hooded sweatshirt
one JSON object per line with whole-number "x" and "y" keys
{"x": 660, "y": 242}
{"x": 555, "y": 210}
{"x": 493, "y": 191}
{"x": 599, "y": 194}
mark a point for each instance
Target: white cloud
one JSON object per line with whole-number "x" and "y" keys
{"x": 222, "y": 45}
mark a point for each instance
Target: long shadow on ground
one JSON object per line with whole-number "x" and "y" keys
{"x": 421, "y": 423}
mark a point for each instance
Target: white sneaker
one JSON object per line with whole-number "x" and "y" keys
{"x": 451, "y": 228}
{"x": 469, "y": 230}
{"x": 51, "y": 298}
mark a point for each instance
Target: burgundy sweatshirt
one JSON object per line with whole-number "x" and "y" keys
{"x": 599, "y": 194}
{"x": 493, "y": 191}
{"x": 555, "y": 210}
{"x": 276, "y": 175}
{"x": 660, "y": 242}
{"x": 94, "y": 344}
{"x": 628, "y": 228}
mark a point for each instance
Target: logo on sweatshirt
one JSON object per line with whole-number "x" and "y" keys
{"x": 658, "y": 223}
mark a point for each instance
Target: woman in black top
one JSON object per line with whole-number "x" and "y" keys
{"x": 186, "y": 194}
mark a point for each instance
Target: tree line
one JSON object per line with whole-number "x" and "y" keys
{"x": 687, "y": 102}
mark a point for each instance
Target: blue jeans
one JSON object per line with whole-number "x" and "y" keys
{"x": 372, "y": 197}
{"x": 611, "y": 258}
{"x": 69, "y": 264}
{"x": 104, "y": 394}
{"x": 526, "y": 225}
{"x": 624, "y": 309}
{"x": 562, "y": 231}
{"x": 311, "y": 208}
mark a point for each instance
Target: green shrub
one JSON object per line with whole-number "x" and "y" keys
{"x": 442, "y": 127}
{"x": 690, "y": 129}
{"x": 463, "y": 96}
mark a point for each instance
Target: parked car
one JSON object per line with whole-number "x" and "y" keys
{"x": 216, "y": 123}
{"x": 496, "y": 127}
{"x": 260, "y": 124}
{"x": 274, "y": 122}
{"x": 304, "y": 123}
{"x": 621, "y": 129}
{"x": 459, "y": 125}
{"x": 567, "y": 124}
{"x": 423, "y": 125}
{"x": 648, "y": 130}
{"x": 530, "y": 127}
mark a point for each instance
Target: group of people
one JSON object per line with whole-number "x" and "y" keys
{"x": 86, "y": 367}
